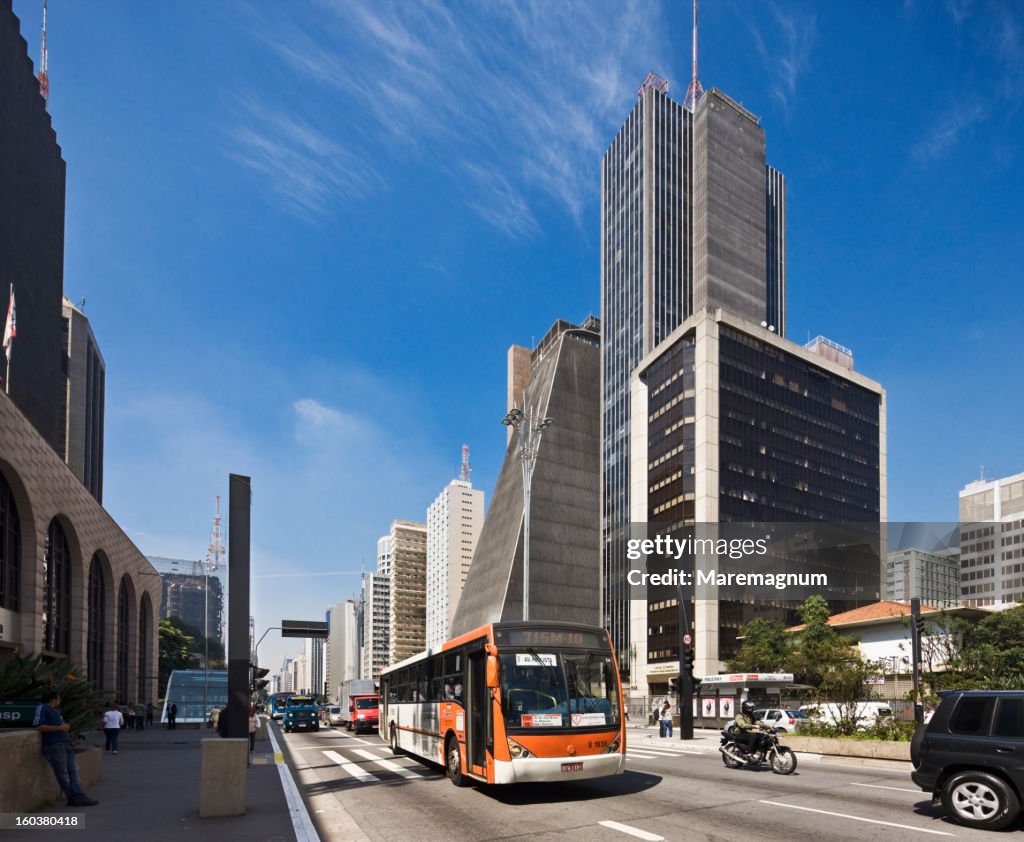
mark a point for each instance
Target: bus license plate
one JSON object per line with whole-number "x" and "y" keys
{"x": 572, "y": 767}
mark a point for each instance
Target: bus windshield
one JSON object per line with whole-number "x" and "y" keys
{"x": 559, "y": 689}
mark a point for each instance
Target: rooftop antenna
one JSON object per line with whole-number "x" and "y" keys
{"x": 44, "y": 63}
{"x": 215, "y": 552}
{"x": 464, "y": 473}
{"x": 982, "y": 473}
{"x": 695, "y": 91}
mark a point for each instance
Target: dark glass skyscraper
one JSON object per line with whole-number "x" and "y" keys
{"x": 692, "y": 219}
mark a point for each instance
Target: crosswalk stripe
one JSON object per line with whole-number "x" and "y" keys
{"x": 387, "y": 764}
{"x": 357, "y": 773}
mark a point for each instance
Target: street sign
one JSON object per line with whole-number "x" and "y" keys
{"x": 687, "y": 639}
{"x": 304, "y": 628}
{"x": 18, "y": 713}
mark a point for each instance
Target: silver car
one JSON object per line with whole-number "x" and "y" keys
{"x": 334, "y": 716}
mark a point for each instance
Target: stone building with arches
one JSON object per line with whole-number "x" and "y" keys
{"x": 71, "y": 582}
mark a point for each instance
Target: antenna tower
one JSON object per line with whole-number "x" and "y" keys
{"x": 696, "y": 90}
{"x": 464, "y": 473}
{"x": 215, "y": 552}
{"x": 44, "y": 64}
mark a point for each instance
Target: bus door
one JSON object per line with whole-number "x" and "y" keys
{"x": 476, "y": 711}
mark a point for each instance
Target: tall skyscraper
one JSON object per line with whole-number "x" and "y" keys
{"x": 992, "y": 541}
{"x": 385, "y": 554}
{"x": 932, "y": 577}
{"x": 313, "y": 655}
{"x": 190, "y": 595}
{"x": 408, "y": 617}
{"x": 84, "y": 395}
{"x": 692, "y": 219}
{"x": 341, "y": 652}
{"x": 454, "y": 521}
{"x": 376, "y": 616}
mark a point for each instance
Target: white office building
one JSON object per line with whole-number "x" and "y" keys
{"x": 454, "y": 521}
{"x": 386, "y": 554}
{"x": 934, "y": 578}
{"x": 376, "y": 608}
{"x": 342, "y": 648}
{"x": 992, "y": 541}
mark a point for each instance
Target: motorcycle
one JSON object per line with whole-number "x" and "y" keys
{"x": 781, "y": 758}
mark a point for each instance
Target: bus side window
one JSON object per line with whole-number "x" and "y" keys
{"x": 423, "y": 682}
{"x": 436, "y": 678}
{"x": 453, "y": 677}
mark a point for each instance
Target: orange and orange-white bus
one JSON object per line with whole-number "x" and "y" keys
{"x": 510, "y": 703}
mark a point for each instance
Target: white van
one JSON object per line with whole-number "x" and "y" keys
{"x": 866, "y": 713}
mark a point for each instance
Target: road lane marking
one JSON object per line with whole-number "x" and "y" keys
{"x": 387, "y": 764}
{"x": 897, "y": 788}
{"x": 302, "y": 824}
{"x": 857, "y": 818}
{"x": 357, "y": 773}
{"x": 641, "y": 754}
{"x": 633, "y": 831}
{"x": 667, "y": 751}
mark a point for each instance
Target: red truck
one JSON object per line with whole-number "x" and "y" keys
{"x": 359, "y": 705}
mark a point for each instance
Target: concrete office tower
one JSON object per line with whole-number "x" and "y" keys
{"x": 454, "y": 521}
{"x": 85, "y": 388}
{"x": 313, "y": 655}
{"x": 934, "y": 578}
{"x": 692, "y": 218}
{"x": 992, "y": 541}
{"x": 341, "y": 652}
{"x": 287, "y": 676}
{"x": 565, "y": 520}
{"x": 376, "y": 616}
{"x": 190, "y": 595}
{"x": 385, "y": 554}
{"x": 733, "y": 423}
{"x": 32, "y": 176}
{"x": 407, "y": 620}
{"x": 301, "y": 672}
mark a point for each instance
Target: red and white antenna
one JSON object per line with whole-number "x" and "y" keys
{"x": 464, "y": 473}
{"x": 44, "y": 64}
{"x": 695, "y": 91}
{"x": 215, "y": 552}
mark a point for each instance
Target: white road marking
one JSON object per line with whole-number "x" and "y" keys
{"x": 387, "y": 764}
{"x": 667, "y": 751}
{"x": 301, "y": 822}
{"x": 631, "y": 753}
{"x": 897, "y": 788}
{"x": 857, "y": 818}
{"x": 633, "y": 831}
{"x": 357, "y": 773}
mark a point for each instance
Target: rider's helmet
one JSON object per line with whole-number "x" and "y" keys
{"x": 747, "y": 707}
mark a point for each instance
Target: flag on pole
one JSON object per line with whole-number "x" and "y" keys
{"x": 11, "y": 326}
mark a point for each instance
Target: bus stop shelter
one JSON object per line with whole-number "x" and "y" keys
{"x": 720, "y": 696}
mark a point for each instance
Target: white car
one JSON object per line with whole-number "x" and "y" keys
{"x": 784, "y": 719}
{"x": 334, "y": 716}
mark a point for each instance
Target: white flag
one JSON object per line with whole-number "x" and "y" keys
{"x": 11, "y": 326}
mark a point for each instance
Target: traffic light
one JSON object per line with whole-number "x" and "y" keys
{"x": 259, "y": 680}
{"x": 691, "y": 656}
{"x": 919, "y": 624}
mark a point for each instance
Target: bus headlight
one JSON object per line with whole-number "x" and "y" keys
{"x": 613, "y": 746}
{"x": 516, "y": 750}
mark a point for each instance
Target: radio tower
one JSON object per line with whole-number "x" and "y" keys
{"x": 215, "y": 552}
{"x": 695, "y": 91}
{"x": 464, "y": 473}
{"x": 44, "y": 63}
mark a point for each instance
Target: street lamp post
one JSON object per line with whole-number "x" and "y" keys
{"x": 530, "y": 426}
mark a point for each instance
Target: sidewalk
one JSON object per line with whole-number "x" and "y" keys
{"x": 150, "y": 790}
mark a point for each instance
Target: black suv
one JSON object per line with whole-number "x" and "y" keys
{"x": 971, "y": 755}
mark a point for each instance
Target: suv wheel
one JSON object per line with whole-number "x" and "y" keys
{"x": 979, "y": 799}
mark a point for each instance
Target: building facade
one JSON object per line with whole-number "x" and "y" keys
{"x": 191, "y": 596}
{"x": 692, "y": 218}
{"x": 341, "y": 651}
{"x": 454, "y": 521}
{"x": 385, "y": 554}
{"x": 735, "y": 424}
{"x": 84, "y": 394}
{"x": 376, "y": 616}
{"x": 934, "y": 578}
{"x": 992, "y": 541}
{"x": 407, "y": 621}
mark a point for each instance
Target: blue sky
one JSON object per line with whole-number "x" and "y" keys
{"x": 308, "y": 232}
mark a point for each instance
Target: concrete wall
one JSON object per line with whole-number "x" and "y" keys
{"x": 26, "y": 778}
{"x": 877, "y": 749}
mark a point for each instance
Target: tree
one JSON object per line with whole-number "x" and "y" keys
{"x": 175, "y": 651}
{"x": 766, "y": 647}
{"x": 985, "y": 655}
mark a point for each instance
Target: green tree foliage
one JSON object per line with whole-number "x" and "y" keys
{"x": 983, "y": 655}
{"x": 767, "y": 647}
{"x": 176, "y": 649}
{"x": 29, "y": 676}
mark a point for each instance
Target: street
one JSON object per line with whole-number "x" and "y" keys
{"x": 668, "y": 792}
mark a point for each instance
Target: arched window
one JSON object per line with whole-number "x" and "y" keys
{"x": 144, "y": 612}
{"x": 96, "y": 644}
{"x": 57, "y": 590}
{"x": 10, "y": 549}
{"x": 122, "y": 642}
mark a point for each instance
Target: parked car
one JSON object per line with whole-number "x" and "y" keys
{"x": 784, "y": 719}
{"x": 970, "y": 756}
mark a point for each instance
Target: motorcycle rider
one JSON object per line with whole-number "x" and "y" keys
{"x": 748, "y": 732}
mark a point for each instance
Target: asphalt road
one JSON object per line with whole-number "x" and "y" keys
{"x": 356, "y": 790}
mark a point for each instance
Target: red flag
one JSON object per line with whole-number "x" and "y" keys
{"x": 11, "y": 327}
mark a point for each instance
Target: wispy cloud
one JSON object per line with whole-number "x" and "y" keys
{"x": 943, "y": 136}
{"x": 521, "y": 96}
{"x": 786, "y": 50}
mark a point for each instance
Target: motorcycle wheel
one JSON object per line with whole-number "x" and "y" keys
{"x": 783, "y": 761}
{"x": 730, "y": 762}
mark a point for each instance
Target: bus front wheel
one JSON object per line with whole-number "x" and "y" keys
{"x": 453, "y": 763}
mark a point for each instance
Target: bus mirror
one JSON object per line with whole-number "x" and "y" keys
{"x": 492, "y": 671}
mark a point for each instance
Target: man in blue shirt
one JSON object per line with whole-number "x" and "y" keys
{"x": 57, "y": 749}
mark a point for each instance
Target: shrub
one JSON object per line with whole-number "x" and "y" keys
{"x": 29, "y": 676}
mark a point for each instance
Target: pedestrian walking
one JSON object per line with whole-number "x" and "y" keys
{"x": 128, "y": 712}
{"x": 254, "y": 724}
{"x": 113, "y": 722}
{"x": 57, "y": 749}
{"x": 172, "y": 714}
{"x": 666, "y": 720}
{"x": 140, "y": 716}
{"x": 150, "y": 712}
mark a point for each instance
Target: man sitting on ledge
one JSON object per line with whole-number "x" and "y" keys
{"x": 57, "y": 749}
